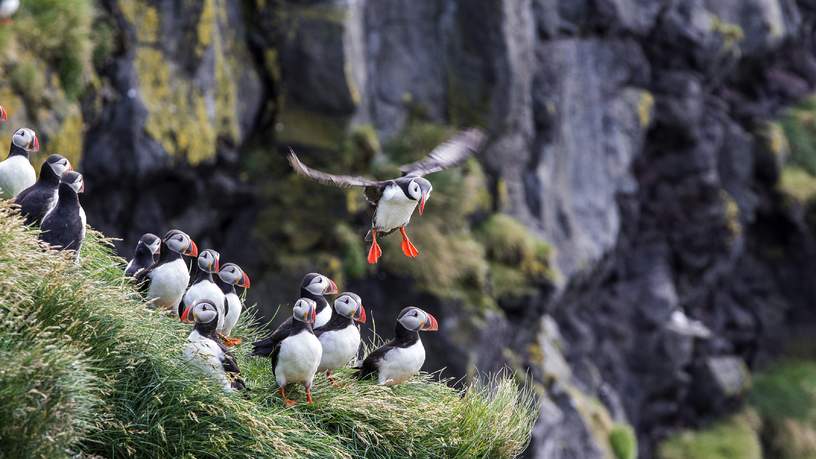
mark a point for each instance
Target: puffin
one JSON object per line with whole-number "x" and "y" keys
{"x": 395, "y": 200}
{"x": 340, "y": 337}
{"x": 145, "y": 254}
{"x": 7, "y": 10}
{"x": 313, "y": 286}
{"x": 205, "y": 352}
{"x": 16, "y": 172}
{"x": 63, "y": 227}
{"x": 203, "y": 287}
{"x": 296, "y": 357}
{"x": 169, "y": 276}
{"x": 230, "y": 276}
{"x": 36, "y": 200}
{"x": 399, "y": 359}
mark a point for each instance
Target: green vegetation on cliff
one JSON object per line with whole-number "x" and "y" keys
{"x": 89, "y": 370}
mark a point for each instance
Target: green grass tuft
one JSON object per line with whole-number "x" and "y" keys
{"x": 115, "y": 384}
{"x": 623, "y": 441}
{"x": 733, "y": 438}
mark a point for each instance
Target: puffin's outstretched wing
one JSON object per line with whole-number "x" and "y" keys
{"x": 341, "y": 181}
{"x": 266, "y": 347}
{"x": 448, "y": 154}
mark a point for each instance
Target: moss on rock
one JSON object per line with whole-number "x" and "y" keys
{"x": 735, "y": 437}
{"x": 623, "y": 441}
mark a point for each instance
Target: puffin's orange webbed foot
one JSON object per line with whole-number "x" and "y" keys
{"x": 331, "y": 379}
{"x": 408, "y": 247}
{"x": 286, "y": 401}
{"x": 375, "y": 252}
{"x": 309, "y": 395}
{"x": 230, "y": 342}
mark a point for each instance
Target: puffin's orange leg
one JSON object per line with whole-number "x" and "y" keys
{"x": 286, "y": 401}
{"x": 229, "y": 342}
{"x": 309, "y": 395}
{"x": 408, "y": 247}
{"x": 375, "y": 252}
{"x": 331, "y": 378}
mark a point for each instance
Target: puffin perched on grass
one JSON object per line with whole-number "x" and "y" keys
{"x": 168, "y": 277}
{"x": 205, "y": 351}
{"x": 296, "y": 357}
{"x": 36, "y": 200}
{"x": 145, "y": 254}
{"x": 315, "y": 287}
{"x": 399, "y": 359}
{"x": 63, "y": 227}
{"x": 394, "y": 200}
{"x": 16, "y": 172}
{"x": 230, "y": 276}
{"x": 340, "y": 337}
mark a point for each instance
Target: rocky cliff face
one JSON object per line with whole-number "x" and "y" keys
{"x": 629, "y": 142}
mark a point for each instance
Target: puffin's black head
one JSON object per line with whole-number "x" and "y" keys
{"x": 74, "y": 180}
{"x": 415, "y": 319}
{"x": 204, "y": 314}
{"x": 152, "y": 242}
{"x": 305, "y": 310}
{"x": 232, "y": 274}
{"x": 179, "y": 242}
{"x": 418, "y": 189}
{"x": 350, "y": 305}
{"x": 26, "y": 139}
{"x": 58, "y": 164}
{"x": 318, "y": 284}
{"x": 3, "y": 115}
{"x": 209, "y": 261}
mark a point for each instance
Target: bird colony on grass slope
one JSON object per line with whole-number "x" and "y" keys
{"x": 319, "y": 337}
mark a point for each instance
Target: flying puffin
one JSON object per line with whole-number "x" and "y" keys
{"x": 402, "y": 357}
{"x": 340, "y": 337}
{"x": 63, "y": 226}
{"x": 229, "y": 277}
{"x": 36, "y": 200}
{"x": 296, "y": 357}
{"x": 205, "y": 352}
{"x": 394, "y": 200}
{"x": 16, "y": 172}
{"x": 168, "y": 277}
{"x": 313, "y": 286}
{"x": 145, "y": 254}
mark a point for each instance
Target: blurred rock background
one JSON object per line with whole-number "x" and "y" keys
{"x": 644, "y": 157}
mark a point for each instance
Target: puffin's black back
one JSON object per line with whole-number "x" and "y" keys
{"x": 142, "y": 258}
{"x": 35, "y": 200}
{"x": 63, "y": 227}
{"x": 402, "y": 338}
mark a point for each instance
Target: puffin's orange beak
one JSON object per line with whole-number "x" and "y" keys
{"x": 185, "y": 314}
{"x": 245, "y": 281}
{"x": 35, "y": 146}
{"x": 192, "y": 250}
{"x": 332, "y": 288}
{"x": 431, "y": 324}
{"x": 314, "y": 315}
{"x": 82, "y": 188}
{"x": 361, "y": 315}
{"x": 217, "y": 265}
{"x": 3, "y": 114}
{"x": 422, "y": 203}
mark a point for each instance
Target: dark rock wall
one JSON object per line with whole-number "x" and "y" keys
{"x": 630, "y": 135}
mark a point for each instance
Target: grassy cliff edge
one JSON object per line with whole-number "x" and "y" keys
{"x": 90, "y": 371}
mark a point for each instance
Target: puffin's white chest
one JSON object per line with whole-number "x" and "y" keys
{"x": 339, "y": 346}
{"x": 323, "y": 317}
{"x": 394, "y": 209}
{"x": 231, "y": 317}
{"x": 207, "y": 290}
{"x": 298, "y": 359}
{"x": 16, "y": 174}
{"x": 205, "y": 355}
{"x": 167, "y": 283}
{"x": 399, "y": 364}
{"x": 8, "y": 8}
